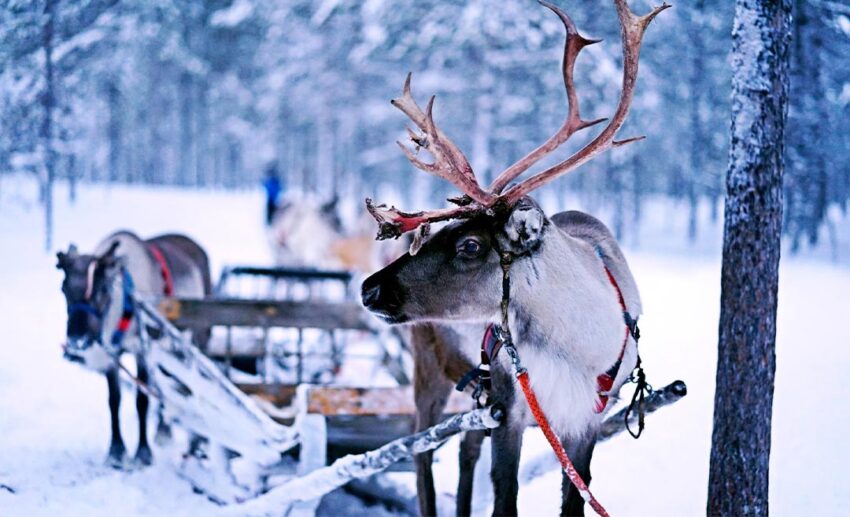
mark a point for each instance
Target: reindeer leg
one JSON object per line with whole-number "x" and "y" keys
{"x": 470, "y": 451}
{"x": 163, "y": 430}
{"x": 144, "y": 456}
{"x": 580, "y": 452}
{"x": 430, "y": 392}
{"x": 117, "y": 451}
{"x": 506, "y": 444}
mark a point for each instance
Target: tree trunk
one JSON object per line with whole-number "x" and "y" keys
{"x": 48, "y": 102}
{"x": 71, "y": 168}
{"x": 204, "y": 159}
{"x": 114, "y": 129}
{"x": 698, "y": 139}
{"x": 637, "y": 197}
{"x": 185, "y": 160}
{"x": 740, "y": 447}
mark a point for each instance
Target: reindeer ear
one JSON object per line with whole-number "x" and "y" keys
{"x": 330, "y": 206}
{"x": 524, "y": 229}
{"x": 63, "y": 259}
{"x": 108, "y": 259}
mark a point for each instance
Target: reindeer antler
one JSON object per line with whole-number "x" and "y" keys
{"x": 572, "y": 46}
{"x": 632, "y": 28}
{"x": 451, "y": 165}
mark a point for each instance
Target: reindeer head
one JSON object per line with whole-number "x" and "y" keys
{"x": 87, "y": 287}
{"x": 456, "y": 274}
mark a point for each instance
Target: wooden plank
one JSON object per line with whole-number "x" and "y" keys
{"x": 280, "y": 395}
{"x": 194, "y": 313}
{"x": 289, "y": 272}
{"x": 335, "y": 401}
{"x": 358, "y": 434}
{"x": 343, "y": 401}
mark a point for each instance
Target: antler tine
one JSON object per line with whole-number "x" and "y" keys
{"x": 573, "y": 44}
{"x": 449, "y": 162}
{"x": 393, "y": 223}
{"x": 632, "y": 28}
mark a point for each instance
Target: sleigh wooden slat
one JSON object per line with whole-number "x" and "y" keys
{"x": 356, "y": 419}
{"x": 343, "y": 401}
{"x": 197, "y": 393}
{"x": 286, "y": 272}
{"x": 336, "y": 401}
{"x": 193, "y": 313}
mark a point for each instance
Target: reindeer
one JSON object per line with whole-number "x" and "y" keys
{"x": 303, "y": 231}
{"x": 306, "y": 233}
{"x": 102, "y": 323}
{"x": 572, "y": 302}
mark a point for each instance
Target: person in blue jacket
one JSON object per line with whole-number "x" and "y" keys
{"x": 274, "y": 188}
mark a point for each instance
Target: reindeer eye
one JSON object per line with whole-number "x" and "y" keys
{"x": 469, "y": 247}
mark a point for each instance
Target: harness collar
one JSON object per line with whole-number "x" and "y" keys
{"x": 128, "y": 309}
{"x": 165, "y": 271}
{"x": 495, "y": 336}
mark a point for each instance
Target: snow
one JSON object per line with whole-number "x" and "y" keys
{"x": 54, "y": 417}
{"x": 233, "y": 15}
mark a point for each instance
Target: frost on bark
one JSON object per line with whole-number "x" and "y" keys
{"x": 740, "y": 448}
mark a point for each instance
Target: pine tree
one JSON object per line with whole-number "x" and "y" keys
{"x": 740, "y": 446}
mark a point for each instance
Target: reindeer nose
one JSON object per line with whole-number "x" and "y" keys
{"x": 370, "y": 294}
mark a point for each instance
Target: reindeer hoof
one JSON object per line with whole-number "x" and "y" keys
{"x": 117, "y": 456}
{"x": 144, "y": 457}
{"x": 163, "y": 435}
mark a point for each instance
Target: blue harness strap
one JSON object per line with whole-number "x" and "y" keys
{"x": 85, "y": 307}
{"x": 490, "y": 345}
{"x": 128, "y": 309}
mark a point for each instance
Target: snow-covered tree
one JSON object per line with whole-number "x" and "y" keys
{"x": 746, "y": 361}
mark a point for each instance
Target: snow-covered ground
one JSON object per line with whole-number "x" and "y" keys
{"x": 54, "y": 416}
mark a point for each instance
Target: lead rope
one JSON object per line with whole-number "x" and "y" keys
{"x": 506, "y": 259}
{"x": 642, "y": 389}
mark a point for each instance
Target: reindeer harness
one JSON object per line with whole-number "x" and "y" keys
{"x": 128, "y": 309}
{"x": 493, "y": 341}
{"x": 128, "y": 305}
{"x": 498, "y": 336}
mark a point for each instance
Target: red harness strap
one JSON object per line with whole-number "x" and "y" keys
{"x": 567, "y": 465}
{"x": 521, "y": 373}
{"x": 168, "y": 290}
{"x": 605, "y": 381}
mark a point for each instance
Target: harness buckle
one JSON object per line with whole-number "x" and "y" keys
{"x": 468, "y": 377}
{"x": 632, "y": 324}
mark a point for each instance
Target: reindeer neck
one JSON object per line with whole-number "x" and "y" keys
{"x": 562, "y": 304}
{"x": 146, "y": 272}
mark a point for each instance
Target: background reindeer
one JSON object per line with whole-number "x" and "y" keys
{"x": 98, "y": 289}
{"x": 307, "y": 233}
{"x": 573, "y": 301}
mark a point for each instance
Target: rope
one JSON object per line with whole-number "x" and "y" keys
{"x": 143, "y": 386}
{"x": 566, "y": 465}
{"x": 643, "y": 388}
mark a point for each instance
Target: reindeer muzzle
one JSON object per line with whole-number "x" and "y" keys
{"x": 382, "y": 295}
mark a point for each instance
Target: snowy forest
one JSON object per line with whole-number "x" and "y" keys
{"x": 209, "y": 93}
{"x": 203, "y": 203}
